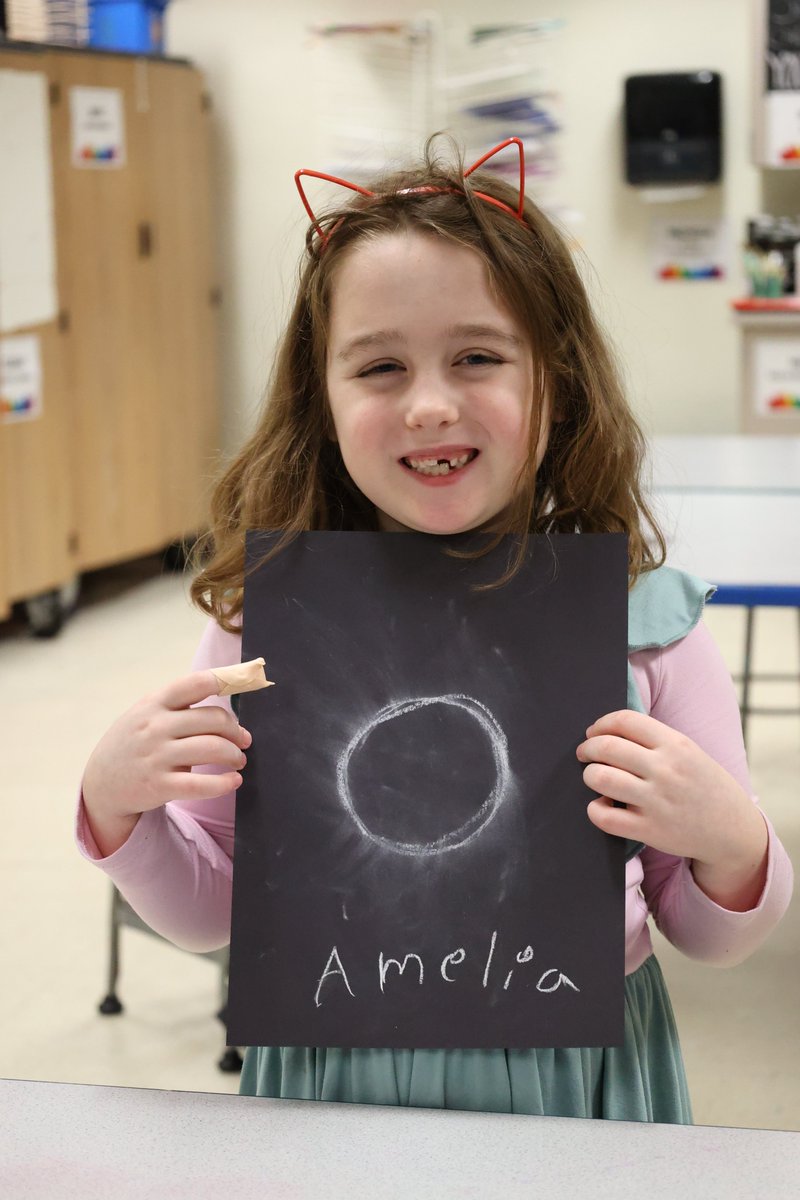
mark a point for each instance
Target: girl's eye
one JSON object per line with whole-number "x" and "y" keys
{"x": 384, "y": 368}
{"x": 479, "y": 360}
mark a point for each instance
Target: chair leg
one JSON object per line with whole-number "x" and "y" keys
{"x": 231, "y": 1060}
{"x": 110, "y": 1005}
{"x": 748, "y": 652}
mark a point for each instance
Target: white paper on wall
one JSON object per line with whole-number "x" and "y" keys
{"x": 776, "y": 375}
{"x": 782, "y": 115}
{"x": 20, "y": 379}
{"x": 98, "y": 127}
{"x": 690, "y": 249}
{"x": 28, "y": 293}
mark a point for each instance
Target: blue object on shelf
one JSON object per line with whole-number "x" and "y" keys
{"x": 136, "y": 26}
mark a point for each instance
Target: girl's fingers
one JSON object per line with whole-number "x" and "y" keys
{"x": 197, "y": 785}
{"x": 189, "y": 689}
{"x": 616, "y": 752}
{"x": 621, "y": 822}
{"x": 613, "y": 783}
{"x": 199, "y": 751}
{"x": 209, "y": 718}
{"x": 633, "y": 726}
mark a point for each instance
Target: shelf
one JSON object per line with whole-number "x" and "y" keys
{"x": 764, "y": 304}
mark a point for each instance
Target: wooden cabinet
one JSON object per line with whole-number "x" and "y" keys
{"x": 36, "y": 499}
{"x": 119, "y": 463}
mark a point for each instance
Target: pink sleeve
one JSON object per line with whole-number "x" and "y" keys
{"x": 688, "y": 687}
{"x": 175, "y": 869}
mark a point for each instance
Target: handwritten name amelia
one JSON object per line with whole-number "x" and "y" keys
{"x": 388, "y": 969}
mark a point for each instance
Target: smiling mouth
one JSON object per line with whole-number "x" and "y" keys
{"x": 440, "y": 466}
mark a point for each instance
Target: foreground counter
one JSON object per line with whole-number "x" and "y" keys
{"x": 90, "y": 1142}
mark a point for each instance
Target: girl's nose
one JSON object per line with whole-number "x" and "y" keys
{"x": 431, "y": 407}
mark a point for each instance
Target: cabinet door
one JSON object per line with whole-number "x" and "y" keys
{"x": 35, "y": 493}
{"x": 106, "y": 272}
{"x": 185, "y": 295}
{"x": 37, "y": 547}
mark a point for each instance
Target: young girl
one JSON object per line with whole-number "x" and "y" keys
{"x": 442, "y": 372}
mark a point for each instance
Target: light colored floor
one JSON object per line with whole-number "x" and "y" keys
{"x": 135, "y": 629}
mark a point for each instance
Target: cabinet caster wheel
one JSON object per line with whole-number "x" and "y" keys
{"x": 110, "y": 1007}
{"x": 45, "y": 614}
{"x": 231, "y": 1061}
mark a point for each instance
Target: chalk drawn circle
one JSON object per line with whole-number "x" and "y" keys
{"x": 474, "y": 824}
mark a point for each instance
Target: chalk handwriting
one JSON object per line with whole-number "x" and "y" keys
{"x": 489, "y": 959}
{"x": 330, "y": 970}
{"x": 384, "y": 964}
{"x": 550, "y": 980}
{"x": 562, "y": 979}
{"x": 524, "y": 956}
{"x": 455, "y": 958}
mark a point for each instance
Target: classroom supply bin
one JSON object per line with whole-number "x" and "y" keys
{"x": 136, "y": 26}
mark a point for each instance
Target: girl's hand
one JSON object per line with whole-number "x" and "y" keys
{"x": 678, "y": 800}
{"x": 145, "y": 758}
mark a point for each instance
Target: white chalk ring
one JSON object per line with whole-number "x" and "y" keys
{"x": 474, "y": 824}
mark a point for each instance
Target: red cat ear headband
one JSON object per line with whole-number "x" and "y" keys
{"x": 354, "y": 187}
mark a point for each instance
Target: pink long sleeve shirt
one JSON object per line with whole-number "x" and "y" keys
{"x": 175, "y": 868}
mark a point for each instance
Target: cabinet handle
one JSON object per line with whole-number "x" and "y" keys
{"x": 145, "y": 239}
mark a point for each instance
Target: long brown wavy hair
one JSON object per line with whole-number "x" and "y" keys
{"x": 289, "y": 476}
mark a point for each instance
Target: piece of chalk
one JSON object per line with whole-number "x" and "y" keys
{"x": 241, "y": 677}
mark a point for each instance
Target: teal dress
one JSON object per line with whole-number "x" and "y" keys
{"x": 642, "y": 1080}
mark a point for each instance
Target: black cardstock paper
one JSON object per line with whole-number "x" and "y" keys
{"x": 413, "y": 863}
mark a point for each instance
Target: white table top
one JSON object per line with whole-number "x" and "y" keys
{"x": 726, "y": 462}
{"x": 729, "y": 506}
{"x": 733, "y": 538}
{"x": 59, "y": 1141}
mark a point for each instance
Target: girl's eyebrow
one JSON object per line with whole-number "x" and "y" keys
{"x": 481, "y": 331}
{"x": 382, "y": 336}
{"x": 379, "y": 337}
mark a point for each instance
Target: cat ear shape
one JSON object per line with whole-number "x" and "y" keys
{"x": 512, "y": 141}
{"x": 345, "y": 183}
{"x": 355, "y": 187}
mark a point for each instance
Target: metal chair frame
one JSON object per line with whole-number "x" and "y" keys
{"x": 751, "y": 599}
{"x": 110, "y": 1005}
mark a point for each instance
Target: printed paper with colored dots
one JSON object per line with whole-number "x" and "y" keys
{"x": 689, "y": 250}
{"x": 98, "y": 127}
{"x": 20, "y": 379}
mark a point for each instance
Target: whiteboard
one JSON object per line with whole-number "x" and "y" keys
{"x": 28, "y": 291}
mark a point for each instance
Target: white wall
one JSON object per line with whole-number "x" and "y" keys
{"x": 677, "y": 341}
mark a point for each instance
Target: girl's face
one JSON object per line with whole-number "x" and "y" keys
{"x": 430, "y": 384}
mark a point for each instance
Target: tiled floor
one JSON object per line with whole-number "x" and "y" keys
{"x": 133, "y": 630}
